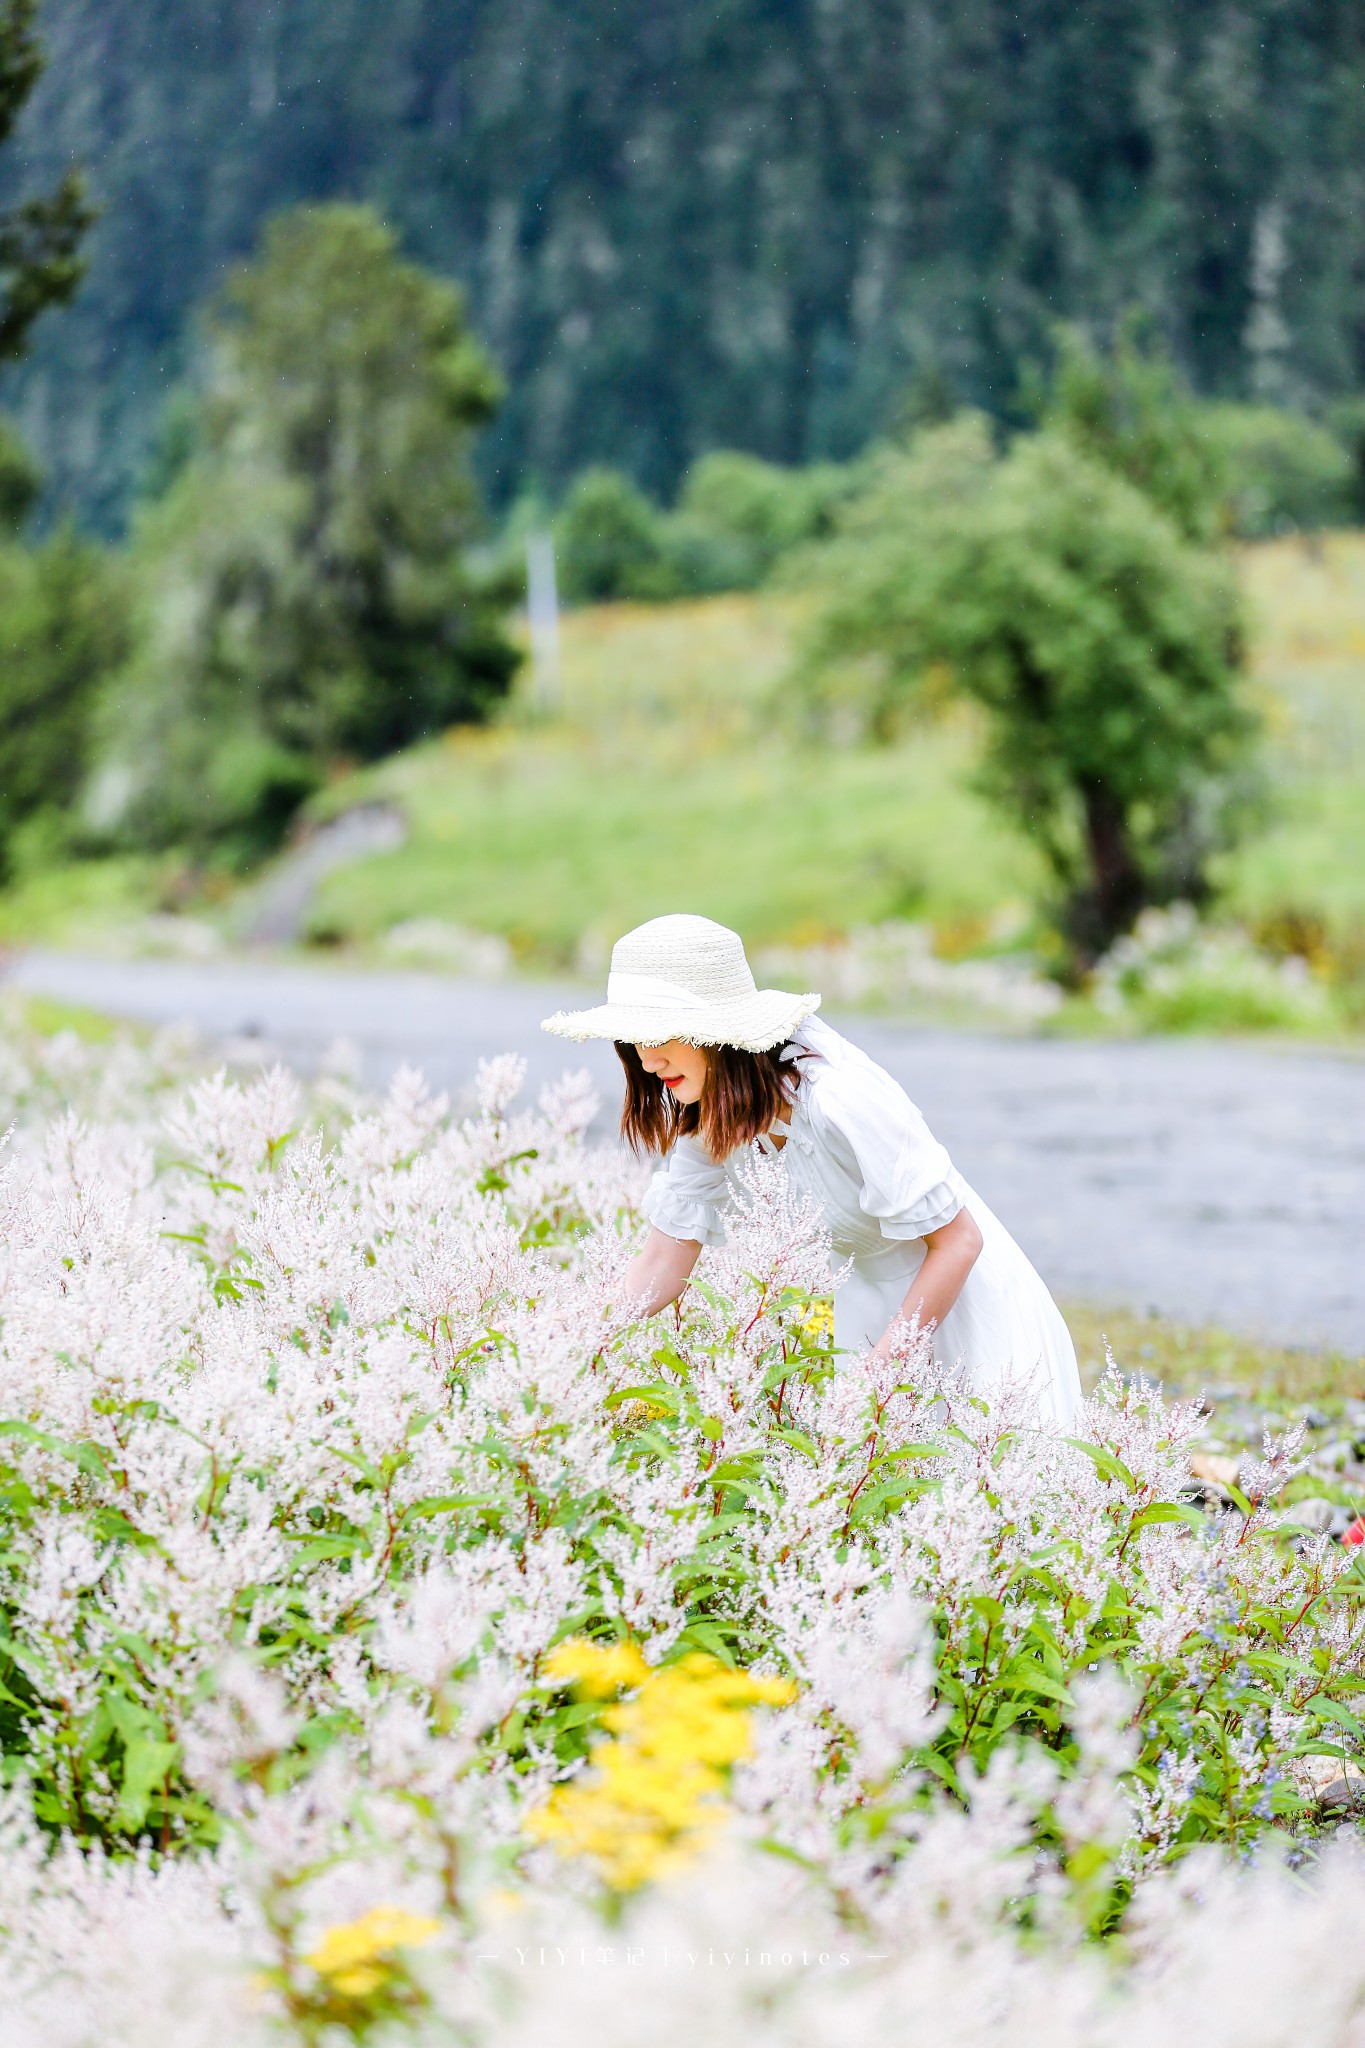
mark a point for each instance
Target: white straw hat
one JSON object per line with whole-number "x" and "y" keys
{"x": 686, "y": 978}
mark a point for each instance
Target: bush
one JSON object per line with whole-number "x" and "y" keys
{"x": 1278, "y": 471}
{"x": 735, "y": 518}
{"x": 609, "y": 542}
{"x": 738, "y": 516}
{"x": 1170, "y": 973}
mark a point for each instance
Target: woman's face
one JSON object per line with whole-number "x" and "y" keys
{"x": 681, "y": 1068}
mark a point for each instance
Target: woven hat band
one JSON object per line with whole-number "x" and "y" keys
{"x": 649, "y": 992}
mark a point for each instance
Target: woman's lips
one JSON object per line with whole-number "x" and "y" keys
{"x": 673, "y": 1080}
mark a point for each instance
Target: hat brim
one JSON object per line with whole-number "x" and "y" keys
{"x": 756, "y": 1024}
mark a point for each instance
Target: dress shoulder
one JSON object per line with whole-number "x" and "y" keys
{"x": 906, "y": 1181}
{"x": 687, "y": 1196}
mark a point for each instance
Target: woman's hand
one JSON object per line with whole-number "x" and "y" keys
{"x": 951, "y": 1254}
{"x": 658, "y": 1273}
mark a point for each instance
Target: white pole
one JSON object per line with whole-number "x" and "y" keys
{"x": 542, "y": 608}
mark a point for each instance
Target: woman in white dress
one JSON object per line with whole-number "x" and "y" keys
{"x": 714, "y": 1065}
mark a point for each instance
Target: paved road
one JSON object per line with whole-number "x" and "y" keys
{"x": 1214, "y": 1182}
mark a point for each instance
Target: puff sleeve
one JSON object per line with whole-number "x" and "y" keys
{"x": 906, "y": 1182}
{"x": 687, "y": 1196}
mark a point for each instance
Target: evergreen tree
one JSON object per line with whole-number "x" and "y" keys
{"x": 41, "y": 262}
{"x": 305, "y": 593}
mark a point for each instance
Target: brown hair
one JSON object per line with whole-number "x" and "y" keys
{"x": 742, "y": 1097}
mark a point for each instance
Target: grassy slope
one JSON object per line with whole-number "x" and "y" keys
{"x": 1307, "y": 603}
{"x": 666, "y": 782}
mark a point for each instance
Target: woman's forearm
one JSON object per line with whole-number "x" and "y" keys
{"x": 951, "y": 1254}
{"x": 657, "y": 1275}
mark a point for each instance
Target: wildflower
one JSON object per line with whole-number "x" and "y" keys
{"x": 597, "y": 1669}
{"x": 357, "y": 1957}
{"x": 655, "y": 1795}
{"x": 818, "y": 1327}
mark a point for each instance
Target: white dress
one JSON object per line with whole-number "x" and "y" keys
{"x": 859, "y": 1146}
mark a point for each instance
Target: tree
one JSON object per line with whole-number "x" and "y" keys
{"x": 63, "y": 631}
{"x": 1103, "y": 647}
{"x": 306, "y": 592}
{"x": 41, "y": 262}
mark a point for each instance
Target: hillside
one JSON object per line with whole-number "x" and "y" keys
{"x": 671, "y": 779}
{"x": 695, "y": 223}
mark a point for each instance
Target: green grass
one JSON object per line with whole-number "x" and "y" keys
{"x": 1200, "y": 1360}
{"x": 1307, "y": 606}
{"x": 667, "y": 784}
{"x": 74, "y": 903}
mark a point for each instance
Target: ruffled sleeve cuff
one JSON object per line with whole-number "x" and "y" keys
{"x": 678, "y": 1216}
{"x": 687, "y": 1197}
{"x": 932, "y": 1209}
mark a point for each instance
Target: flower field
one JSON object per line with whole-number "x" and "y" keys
{"x": 401, "y": 1643}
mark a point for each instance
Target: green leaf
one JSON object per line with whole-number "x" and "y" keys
{"x": 146, "y": 1764}
{"x": 1332, "y": 1710}
{"x": 1104, "y": 1461}
{"x": 1169, "y": 1511}
{"x": 657, "y": 1392}
{"x": 1033, "y": 1678}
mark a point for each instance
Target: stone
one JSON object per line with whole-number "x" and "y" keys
{"x": 1315, "y": 1515}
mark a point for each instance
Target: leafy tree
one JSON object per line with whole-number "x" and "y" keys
{"x": 63, "y": 631}
{"x": 306, "y": 591}
{"x": 1103, "y": 647}
{"x": 1128, "y": 408}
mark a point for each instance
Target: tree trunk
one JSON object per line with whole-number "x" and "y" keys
{"x": 1117, "y": 891}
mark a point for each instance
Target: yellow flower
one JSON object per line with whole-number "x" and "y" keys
{"x": 597, "y": 1669}
{"x": 818, "y": 1326}
{"x": 356, "y": 1956}
{"x": 655, "y": 1794}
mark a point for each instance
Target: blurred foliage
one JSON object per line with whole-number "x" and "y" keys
{"x": 1214, "y": 468}
{"x": 304, "y": 594}
{"x": 41, "y": 256}
{"x": 719, "y": 224}
{"x": 609, "y": 542}
{"x": 1280, "y": 472}
{"x": 1103, "y": 645}
{"x": 737, "y": 516}
{"x": 63, "y": 631}
{"x": 1127, "y": 408}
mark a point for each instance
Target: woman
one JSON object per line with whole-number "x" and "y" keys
{"x": 714, "y": 1064}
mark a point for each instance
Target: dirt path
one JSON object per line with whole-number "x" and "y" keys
{"x": 1213, "y": 1182}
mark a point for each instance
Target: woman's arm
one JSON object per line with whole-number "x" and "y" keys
{"x": 952, "y": 1253}
{"x": 658, "y": 1274}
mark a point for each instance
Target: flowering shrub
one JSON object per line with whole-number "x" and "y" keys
{"x": 894, "y": 965}
{"x": 383, "y": 1603}
{"x": 1172, "y": 973}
